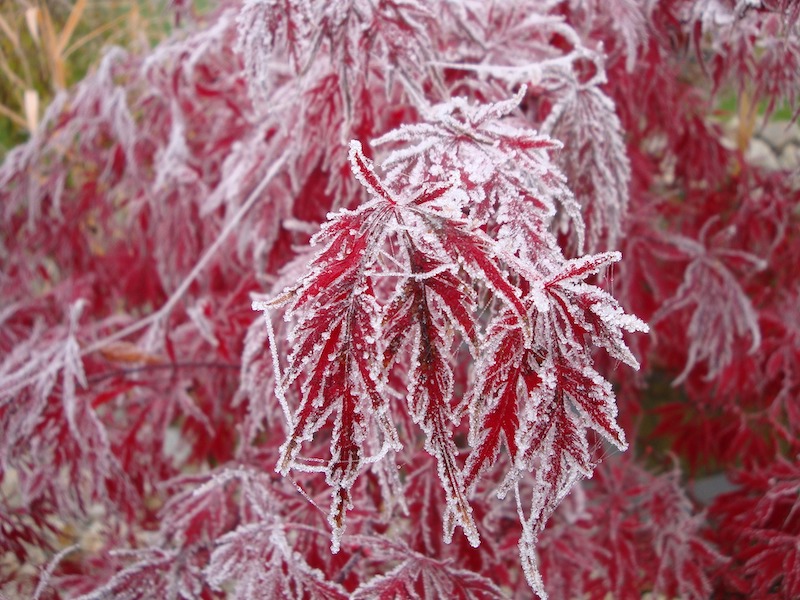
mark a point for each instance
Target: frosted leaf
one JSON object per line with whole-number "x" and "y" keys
{"x": 336, "y": 319}
{"x": 154, "y": 573}
{"x": 588, "y": 309}
{"x": 721, "y": 312}
{"x": 417, "y": 576}
{"x": 268, "y": 30}
{"x": 514, "y": 39}
{"x": 256, "y": 561}
{"x": 542, "y": 401}
{"x": 529, "y": 561}
{"x": 474, "y": 147}
{"x": 436, "y": 581}
{"x": 714, "y": 327}
{"x": 595, "y": 160}
{"x": 627, "y": 19}
{"x": 33, "y": 362}
{"x": 430, "y": 390}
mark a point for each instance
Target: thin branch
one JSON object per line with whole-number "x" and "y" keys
{"x": 204, "y": 261}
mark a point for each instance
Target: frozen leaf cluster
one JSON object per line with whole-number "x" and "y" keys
{"x": 398, "y": 278}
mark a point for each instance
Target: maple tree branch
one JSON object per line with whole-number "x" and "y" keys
{"x": 198, "y": 268}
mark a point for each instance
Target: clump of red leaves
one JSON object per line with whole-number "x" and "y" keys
{"x": 440, "y": 210}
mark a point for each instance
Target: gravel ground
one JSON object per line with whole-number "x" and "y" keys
{"x": 776, "y": 146}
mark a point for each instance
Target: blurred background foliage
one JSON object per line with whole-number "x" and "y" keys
{"x": 47, "y": 45}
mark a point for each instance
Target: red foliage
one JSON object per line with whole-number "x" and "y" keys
{"x": 439, "y": 210}
{"x": 758, "y": 525}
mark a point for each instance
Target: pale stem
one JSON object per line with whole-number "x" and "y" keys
{"x": 198, "y": 268}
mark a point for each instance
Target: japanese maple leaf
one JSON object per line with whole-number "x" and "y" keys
{"x": 419, "y": 576}
{"x": 335, "y": 335}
